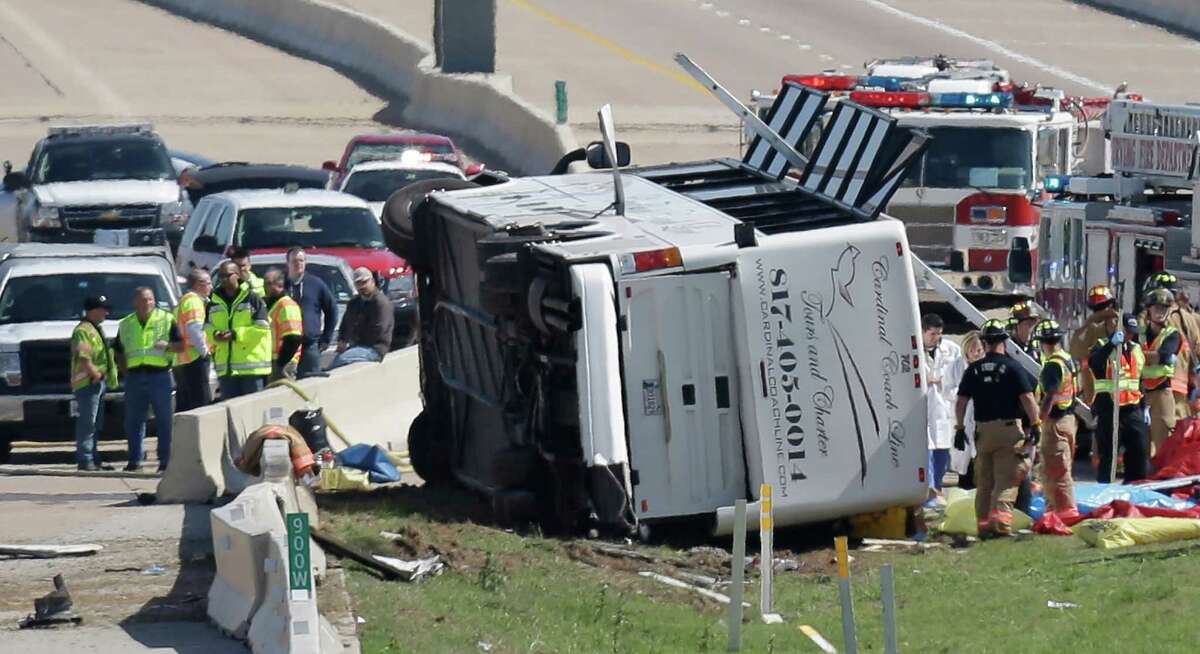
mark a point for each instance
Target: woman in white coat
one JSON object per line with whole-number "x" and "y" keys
{"x": 961, "y": 460}
{"x": 944, "y": 367}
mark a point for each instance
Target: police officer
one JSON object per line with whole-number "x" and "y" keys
{"x": 1057, "y": 443}
{"x": 1161, "y": 343}
{"x": 145, "y": 340}
{"x": 93, "y": 371}
{"x": 240, "y": 334}
{"x": 1132, "y": 429}
{"x": 1006, "y": 417}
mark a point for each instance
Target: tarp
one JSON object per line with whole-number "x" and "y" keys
{"x": 1126, "y": 532}
{"x": 1179, "y": 455}
{"x": 960, "y": 515}
{"x": 1060, "y": 524}
{"x": 1090, "y": 496}
{"x": 371, "y": 458}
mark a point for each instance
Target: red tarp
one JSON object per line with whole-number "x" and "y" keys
{"x": 1179, "y": 455}
{"x": 1059, "y": 524}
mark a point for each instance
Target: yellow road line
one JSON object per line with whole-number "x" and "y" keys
{"x": 621, "y": 51}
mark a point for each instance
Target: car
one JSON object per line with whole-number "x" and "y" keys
{"x": 272, "y": 221}
{"x": 376, "y": 180}
{"x": 237, "y": 175}
{"x": 433, "y": 147}
{"x": 81, "y": 179}
{"x": 42, "y": 288}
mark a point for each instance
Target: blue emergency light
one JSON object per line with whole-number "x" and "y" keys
{"x": 889, "y": 83}
{"x": 973, "y": 100}
{"x": 1056, "y": 183}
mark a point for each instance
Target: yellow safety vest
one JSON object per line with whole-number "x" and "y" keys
{"x": 1158, "y": 374}
{"x": 1065, "y": 395}
{"x": 88, "y": 344}
{"x": 138, "y": 340}
{"x": 1131, "y": 368}
{"x": 285, "y": 321}
{"x": 190, "y": 310}
{"x": 256, "y": 285}
{"x": 249, "y": 354}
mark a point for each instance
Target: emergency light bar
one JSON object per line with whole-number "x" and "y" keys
{"x": 80, "y": 130}
{"x": 824, "y": 82}
{"x": 1056, "y": 183}
{"x": 974, "y": 100}
{"x": 915, "y": 99}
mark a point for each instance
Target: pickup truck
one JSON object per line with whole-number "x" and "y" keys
{"x": 625, "y": 349}
{"x": 42, "y": 287}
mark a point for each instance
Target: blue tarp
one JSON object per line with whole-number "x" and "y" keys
{"x": 372, "y": 459}
{"x": 1091, "y": 495}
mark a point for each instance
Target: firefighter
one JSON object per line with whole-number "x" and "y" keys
{"x": 1182, "y": 318}
{"x": 1132, "y": 430}
{"x": 93, "y": 371}
{"x": 1024, "y": 319}
{"x": 287, "y": 326}
{"x": 1057, "y": 441}
{"x": 1161, "y": 343}
{"x": 1104, "y": 320}
{"x": 192, "y": 363}
{"x": 240, "y": 334}
{"x": 1006, "y": 419}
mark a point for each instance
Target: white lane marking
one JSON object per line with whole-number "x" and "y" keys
{"x": 785, "y": 37}
{"x": 722, "y": 14}
{"x": 993, "y": 46}
{"x": 87, "y": 77}
{"x": 764, "y": 30}
{"x": 743, "y": 22}
{"x": 705, "y": 6}
{"x": 805, "y": 46}
{"x": 825, "y": 57}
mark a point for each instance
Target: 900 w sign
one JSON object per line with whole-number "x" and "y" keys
{"x": 299, "y": 558}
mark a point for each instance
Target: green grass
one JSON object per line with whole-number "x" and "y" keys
{"x": 525, "y": 593}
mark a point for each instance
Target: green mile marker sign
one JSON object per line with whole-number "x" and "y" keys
{"x": 299, "y": 561}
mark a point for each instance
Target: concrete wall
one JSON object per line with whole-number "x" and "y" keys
{"x": 369, "y": 402}
{"x": 480, "y": 108}
{"x": 1176, "y": 15}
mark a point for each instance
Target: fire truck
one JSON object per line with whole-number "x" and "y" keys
{"x": 971, "y": 204}
{"x": 1121, "y": 227}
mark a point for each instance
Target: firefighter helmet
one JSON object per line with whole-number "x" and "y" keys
{"x": 994, "y": 330}
{"x": 1023, "y": 311}
{"x": 1099, "y": 296}
{"x": 1159, "y": 297}
{"x": 1047, "y": 330}
{"x": 1161, "y": 279}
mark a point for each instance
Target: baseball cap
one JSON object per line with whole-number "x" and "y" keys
{"x": 362, "y": 274}
{"x": 1130, "y": 320}
{"x": 96, "y": 302}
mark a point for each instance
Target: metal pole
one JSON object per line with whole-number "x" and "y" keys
{"x": 766, "y": 561}
{"x": 1115, "y": 396}
{"x": 848, "y": 632}
{"x": 560, "y": 102}
{"x": 737, "y": 583}
{"x": 888, "y": 582}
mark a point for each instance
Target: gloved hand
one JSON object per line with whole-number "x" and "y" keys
{"x": 1118, "y": 337}
{"x": 1033, "y": 435}
{"x": 960, "y": 439}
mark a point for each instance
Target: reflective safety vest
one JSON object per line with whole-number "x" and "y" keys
{"x": 285, "y": 321}
{"x": 249, "y": 353}
{"x": 256, "y": 285}
{"x": 1153, "y": 377}
{"x": 88, "y": 344}
{"x": 1131, "y": 375}
{"x": 190, "y": 310}
{"x": 1064, "y": 397}
{"x": 139, "y": 341}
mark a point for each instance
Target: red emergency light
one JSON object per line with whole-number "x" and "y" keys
{"x": 905, "y": 99}
{"x": 1169, "y": 218}
{"x": 824, "y": 82}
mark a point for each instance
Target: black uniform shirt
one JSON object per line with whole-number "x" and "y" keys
{"x": 995, "y": 384}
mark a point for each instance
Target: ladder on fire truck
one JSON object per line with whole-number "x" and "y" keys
{"x": 793, "y": 113}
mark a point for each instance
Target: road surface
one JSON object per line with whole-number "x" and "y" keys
{"x": 206, "y": 90}
{"x": 620, "y": 51}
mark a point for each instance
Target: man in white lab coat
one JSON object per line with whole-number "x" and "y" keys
{"x": 944, "y": 368}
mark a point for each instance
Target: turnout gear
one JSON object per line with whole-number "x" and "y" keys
{"x": 994, "y": 330}
{"x": 1158, "y": 297}
{"x": 1047, "y": 330}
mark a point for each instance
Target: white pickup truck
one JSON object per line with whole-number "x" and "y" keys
{"x": 727, "y": 326}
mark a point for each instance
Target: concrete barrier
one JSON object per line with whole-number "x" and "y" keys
{"x": 370, "y": 402}
{"x": 241, "y": 532}
{"x": 480, "y": 108}
{"x": 1176, "y": 15}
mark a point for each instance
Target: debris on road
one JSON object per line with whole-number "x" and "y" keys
{"x": 154, "y": 570}
{"x": 1052, "y": 604}
{"x": 892, "y": 545}
{"x": 621, "y": 552}
{"x": 54, "y": 609}
{"x": 671, "y": 581}
{"x": 48, "y": 551}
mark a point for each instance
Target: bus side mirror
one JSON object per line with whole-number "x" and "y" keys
{"x": 597, "y": 158}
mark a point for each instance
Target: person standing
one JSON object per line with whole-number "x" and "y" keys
{"x": 192, "y": 364}
{"x": 93, "y": 371}
{"x": 962, "y": 457}
{"x": 145, "y": 340}
{"x": 366, "y": 333}
{"x": 1006, "y": 416}
{"x": 1185, "y": 321}
{"x": 944, "y": 368}
{"x": 240, "y": 333}
{"x": 1161, "y": 343}
{"x": 287, "y": 327}
{"x": 1104, "y": 320}
{"x": 1058, "y": 418}
{"x": 241, "y": 256}
{"x": 1024, "y": 319}
{"x": 318, "y": 308}
{"x": 1132, "y": 430}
